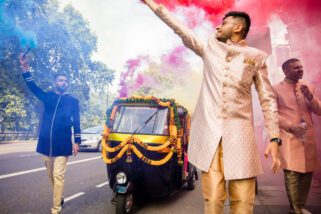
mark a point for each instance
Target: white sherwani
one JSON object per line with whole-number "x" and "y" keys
{"x": 224, "y": 107}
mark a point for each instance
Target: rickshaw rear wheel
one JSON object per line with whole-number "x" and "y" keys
{"x": 124, "y": 203}
{"x": 191, "y": 181}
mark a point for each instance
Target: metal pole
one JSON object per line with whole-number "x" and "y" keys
{"x": 107, "y": 95}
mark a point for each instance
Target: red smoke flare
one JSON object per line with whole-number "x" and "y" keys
{"x": 301, "y": 16}
{"x": 213, "y": 8}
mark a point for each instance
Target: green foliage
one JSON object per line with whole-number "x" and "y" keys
{"x": 65, "y": 45}
{"x": 96, "y": 114}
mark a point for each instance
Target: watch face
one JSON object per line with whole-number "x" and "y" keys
{"x": 277, "y": 140}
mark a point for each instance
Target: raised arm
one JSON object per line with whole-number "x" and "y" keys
{"x": 189, "y": 38}
{"x": 38, "y": 92}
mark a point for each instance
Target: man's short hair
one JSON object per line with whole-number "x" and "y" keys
{"x": 60, "y": 74}
{"x": 243, "y": 15}
{"x": 286, "y": 64}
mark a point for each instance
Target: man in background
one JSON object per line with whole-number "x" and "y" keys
{"x": 297, "y": 102}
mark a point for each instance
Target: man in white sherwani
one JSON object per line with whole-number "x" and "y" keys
{"x": 222, "y": 142}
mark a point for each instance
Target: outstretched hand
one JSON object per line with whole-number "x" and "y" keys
{"x": 272, "y": 150}
{"x": 75, "y": 149}
{"x": 306, "y": 92}
{"x": 24, "y": 63}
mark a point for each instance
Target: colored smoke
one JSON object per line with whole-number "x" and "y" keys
{"x": 302, "y": 19}
{"x": 259, "y": 10}
{"x": 128, "y": 74}
{"x": 144, "y": 76}
{"x": 212, "y": 8}
{"x": 10, "y": 27}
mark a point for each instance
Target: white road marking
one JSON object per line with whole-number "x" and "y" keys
{"x": 84, "y": 160}
{"x": 22, "y": 172}
{"x": 43, "y": 168}
{"x": 74, "y": 196}
{"x": 102, "y": 184}
{"x": 28, "y": 155}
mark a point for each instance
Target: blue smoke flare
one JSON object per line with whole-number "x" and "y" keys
{"x": 9, "y": 28}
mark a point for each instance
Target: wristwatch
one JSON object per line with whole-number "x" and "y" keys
{"x": 277, "y": 140}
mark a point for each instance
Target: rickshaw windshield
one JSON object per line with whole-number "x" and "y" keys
{"x": 141, "y": 120}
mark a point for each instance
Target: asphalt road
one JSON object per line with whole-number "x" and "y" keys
{"x": 25, "y": 188}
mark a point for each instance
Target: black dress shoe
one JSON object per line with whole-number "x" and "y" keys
{"x": 62, "y": 201}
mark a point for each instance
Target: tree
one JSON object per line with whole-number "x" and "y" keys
{"x": 64, "y": 45}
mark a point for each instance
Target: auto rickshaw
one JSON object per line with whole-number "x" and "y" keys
{"x": 145, "y": 142}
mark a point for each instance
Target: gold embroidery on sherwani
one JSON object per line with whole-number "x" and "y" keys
{"x": 249, "y": 60}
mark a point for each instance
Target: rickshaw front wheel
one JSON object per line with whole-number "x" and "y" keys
{"x": 99, "y": 147}
{"x": 124, "y": 203}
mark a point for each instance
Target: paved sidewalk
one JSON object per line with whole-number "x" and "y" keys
{"x": 18, "y": 146}
{"x": 272, "y": 199}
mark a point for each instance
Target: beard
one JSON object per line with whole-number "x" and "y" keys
{"x": 221, "y": 38}
{"x": 61, "y": 89}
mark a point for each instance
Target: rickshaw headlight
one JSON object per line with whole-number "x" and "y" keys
{"x": 121, "y": 178}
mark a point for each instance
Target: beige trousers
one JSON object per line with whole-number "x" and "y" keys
{"x": 56, "y": 168}
{"x": 241, "y": 192}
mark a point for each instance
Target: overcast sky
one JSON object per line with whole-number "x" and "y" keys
{"x": 125, "y": 29}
